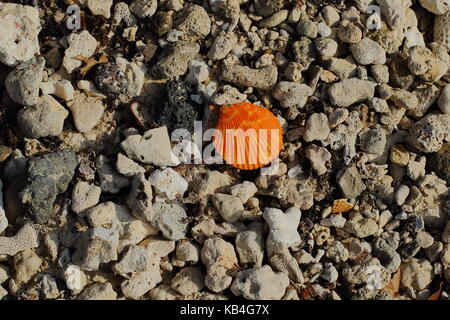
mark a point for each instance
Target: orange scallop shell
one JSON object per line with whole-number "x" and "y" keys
{"x": 257, "y": 133}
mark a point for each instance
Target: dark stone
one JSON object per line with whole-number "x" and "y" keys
{"x": 409, "y": 250}
{"x": 178, "y": 111}
{"x": 440, "y": 162}
{"x": 110, "y": 80}
{"x": 47, "y": 176}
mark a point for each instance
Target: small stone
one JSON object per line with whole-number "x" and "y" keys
{"x": 274, "y": 19}
{"x": 264, "y": 78}
{"x": 22, "y": 84}
{"x": 178, "y": 111}
{"x": 100, "y": 7}
{"x": 174, "y": 60}
{"x": 368, "y": 52}
{"x": 304, "y": 257}
{"x": 47, "y": 176}
{"x": 331, "y": 15}
{"x": 444, "y": 100}
{"x": 86, "y": 112}
{"x": 427, "y": 134}
{"x": 19, "y": 33}
{"x": 360, "y": 226}
{"x": 260, "y": 284}
{"x": 387, "y": 255}
{"x": 336, "y": 221}
{"x": 441, "y": 29}
{"x": 135, "y": 76}
{"x": 168, "y": 183}
{"x": 399, "y": 155}
{"x": 140, "y": 198}
{"x": 62, "y": 89}
{"x": 420, "y": 59}
{"x": 188, "y": 280}
{"x": 102, "y": 214}
{"x": 75, "y": 278}
{"x": 350, "y": 91}
{"x": 244, "y": 191}
{"x": 318, "y": 157}
{"x": 350, "y": 33}
{"x": 293, "y": 72}
{"x": 394, "y": 12}
{"x": 5, "y": 152}
{"x": 326, "y": 47}
{"x": 337, "y": 252}
{"x": 222, "y": 46}
{"x": 434, "y": 251}
{"x": 304, "y": 52}
{"x": 307, "y": 28}
{"x": 401, "y": 194}
{"x": 291, "y": 94}
{"x": 378, "y": 105}
{"x": 170, "y": 219}
{"x": 26, "y": 238}
{"x": 162, "y": 22}
{"x": 343, "y": 68}
{"x": 152, "y": 148}
{"x": 44, "y": 119}
{"x": 227, "y": 95}
{"x": 48, "y": 287}
{"x": 98, "y": 291}
{"x": 80, "y": 44}
{"x": 437, "y": 7}
{"x": 218, "y": 256}
{"x": 110, "y": 180}
{"x": 374, "y": 141}
{"x": 230, "y": 207}
{"x": 324, "y": 30}
{"x": 84, "y": 196}
{"x": 143, "y": 8}
{"x": 350, "y": 182}
{"x": 286, "y": 263}
{"x": 424, "y": 239}
{"x": 135, "y": 259}
{"x": 212, "y": 182}
{"x": 193, "y": 21}
{"x": 26, "y": 264}
{"x": 445, "y": 255}
{"x": 380, "y": 72}
{"x": 401, "y": 98}
{"x": 316, "y": 127}
{"x": 329, "y": 273}
{"x": 188, "y": 252}
{"x": 374, "y": 276}
{"x": 249, "y": 245}
{"x": 283, "y": 228}
{"x": 98, "y": 245}
{"x": 416, "y": 274}
{"x": 446, "y": 233}
{"x": 5, "y": 273}
{"x": 127, "y": 167}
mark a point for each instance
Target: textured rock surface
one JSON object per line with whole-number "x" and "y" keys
{"x": 46, "y": 118}
{"x": 19, "y": 33}
{"x": 47, "y": 176}
{"x": 23, "y": 82}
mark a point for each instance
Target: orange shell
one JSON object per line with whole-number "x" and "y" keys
{"x": 341, "y": 206}
{"x": 250, "y": 149}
